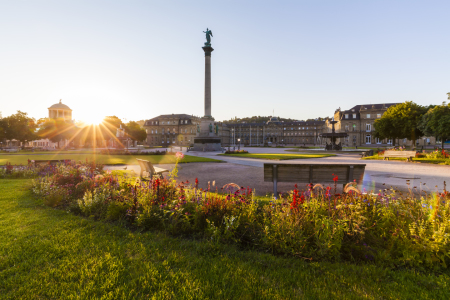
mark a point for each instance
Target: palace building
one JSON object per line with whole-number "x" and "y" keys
{"x": 180, "y": 130}
{"x": 176, "y": 130}
{"x": 359, "y": 121}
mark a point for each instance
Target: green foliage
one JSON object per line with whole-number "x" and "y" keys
{"x": 436, "y": 122}
{"x": 112, "y": 159}
{"x": 135, "y": 131}
{"x": 3, "y": 127}
{"x": 386, "y": 228}
{"x": 401, "y": 121}
{"x": 47, "y": 253}
{"x": 277, "y": 156}
{"x": 56, "y": 129}
{"x": 20, "y": 127}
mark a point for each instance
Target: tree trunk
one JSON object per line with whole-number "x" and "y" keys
{"x": 442, "y": 143}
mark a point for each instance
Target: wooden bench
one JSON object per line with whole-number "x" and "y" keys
{"x": 312, "y": 173}
{"x": 147, "y": 166}
{"x": 47, "y": 161}
{"x": 402, "y": 154}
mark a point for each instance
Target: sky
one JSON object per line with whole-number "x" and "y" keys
{"x": 140, "y": 59}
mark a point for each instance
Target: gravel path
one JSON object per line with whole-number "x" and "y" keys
{"x": 249, "y": 172}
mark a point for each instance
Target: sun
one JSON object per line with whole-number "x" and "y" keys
{"x": 92, "y": 119}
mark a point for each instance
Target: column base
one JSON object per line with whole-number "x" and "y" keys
{"x": 207, "y": 144}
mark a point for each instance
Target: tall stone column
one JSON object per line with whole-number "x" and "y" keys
{"x": 208, "y": 50}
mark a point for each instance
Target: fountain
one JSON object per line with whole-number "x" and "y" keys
{"x": 333, "y": 135}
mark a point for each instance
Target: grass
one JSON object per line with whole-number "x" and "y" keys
{"x": 277, "y": 156}
{"x": 415, "y": 159}
{"x": 48, "y": 253}
{"x": 103, "y": 159}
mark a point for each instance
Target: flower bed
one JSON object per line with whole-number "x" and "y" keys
{"x": 236, "y": 151}
{"x": 10, "y": 171}
{"x": 313, "y": 223}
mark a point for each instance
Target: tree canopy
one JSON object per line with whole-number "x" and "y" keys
{"x": 436, "y": 122}
{"x": 401, "y": 121}
{"x": 135, "y": 132}
{"x": 20, "y": 127}
{"x": 56, "y": 130}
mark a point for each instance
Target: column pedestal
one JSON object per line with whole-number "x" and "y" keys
{"x": 207, "y": 139}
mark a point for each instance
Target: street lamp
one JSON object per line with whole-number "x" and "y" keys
{"x": 239, "y": 147}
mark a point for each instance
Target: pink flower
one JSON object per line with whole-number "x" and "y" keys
{"x": 179, "y": 155}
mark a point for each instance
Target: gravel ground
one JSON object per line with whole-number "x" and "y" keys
{"x": 249, "y": 172}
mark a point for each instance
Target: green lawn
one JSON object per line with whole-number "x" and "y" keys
{"x": 277, "y": 156}
{"x": 48, "y": 253}
{"x": 416, "y": 159}
{"x": 103, "y": 159}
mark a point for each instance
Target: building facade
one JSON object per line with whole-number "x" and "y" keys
{"x": 180, "y": 130}
{"x": 277, "y": 132}
{"x": 358, "y": 123}
{"x": 177, "y": 130}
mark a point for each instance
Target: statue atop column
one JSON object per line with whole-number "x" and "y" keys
{"x": 208, "y": 37}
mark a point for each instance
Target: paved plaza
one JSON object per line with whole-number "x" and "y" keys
{"x": 245, "y": 172}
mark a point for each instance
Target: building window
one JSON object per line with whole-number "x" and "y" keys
{"x": 378, "y": 141}
{"x": 162, "y": 122}
{"x": 368, "y": 127}
{"x": 378, "y": 116}
{"x": 152, "y": 131}
{"x": 354, "y": 116}
{"x": 368, "y": 116}
{"x": 346, "y": 116}
{"x": 368, "y": 139}
{"x": 389, "y": 141}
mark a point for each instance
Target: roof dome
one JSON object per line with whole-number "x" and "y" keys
{"x": 59, "y": 106}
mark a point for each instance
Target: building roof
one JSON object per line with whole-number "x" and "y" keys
{"x": 273, "y": 120}
{"x": 180, "y": 116}
{"x": 357, "y": 108}
{"x": 293, "y": 123}
{"x": 59, "y": 106}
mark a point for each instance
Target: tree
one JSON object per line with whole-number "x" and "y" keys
{"x": 20, "y": 127}
{"x": 56, "y": 130}
{"x": 436, "y": 122}
{"x": 384, "y": 129}
{"x": 3, "y": 126}
{"x": 401, "y": 121}
{"x": 135, "y": 132}
{"x": 109, "y": 126}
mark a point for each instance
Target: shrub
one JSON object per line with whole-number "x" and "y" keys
{"x": 236, "y": 151}
{"x": 438, "y": 154}
{"x": 316, "y": 223}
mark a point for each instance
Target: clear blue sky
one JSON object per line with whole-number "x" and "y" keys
{"x": 139, "y": 59}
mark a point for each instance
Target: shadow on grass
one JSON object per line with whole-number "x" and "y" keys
{"x": 49, "y": 253}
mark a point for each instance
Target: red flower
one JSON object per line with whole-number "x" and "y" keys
{"x": 335, "y": 178}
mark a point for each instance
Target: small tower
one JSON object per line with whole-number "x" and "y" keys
{"x": 60, "y": 110}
